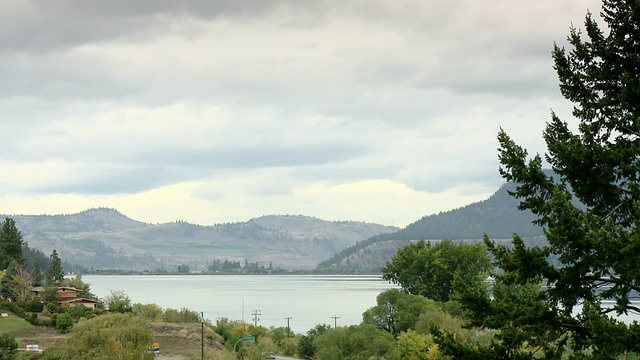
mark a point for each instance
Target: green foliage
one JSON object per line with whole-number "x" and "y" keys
{"x": 37, "y": 275}
{"x": 596, "y": 243}
{"x": 8, "y": 347}
{"x": 306, "y": 346}
{"x": 151, "y": 312}
{"x": 55, "y": 271}
{"x": 416, "y": 346}
{"x": 111, "y": 336}
{"x": 10, "y": 243}
{"x": 49, "y": 294}
{"x": 64, "y": 322}
{"x": 396, "y": 311}
{"x": 429, "y": 270}
{"x": 18, "y": 310}
{"x": 6, "y": 284}
{"x": 32, "y": 306}
{"x": 362, "y": 341}
{"x": 118, "y": 301}
{"x": 50, "y": 308}
{"x": 183, "y": 315}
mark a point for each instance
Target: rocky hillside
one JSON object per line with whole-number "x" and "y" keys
{"x": 106, "y": 239}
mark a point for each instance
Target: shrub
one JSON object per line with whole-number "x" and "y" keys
{"x": 64, "y": 322}
{"x": 32, "y": 318}
{"x": 18, "y": 311}
{"x": 51, "y": 308}
{"x": 182, "y": 316}
{"x": 32, "y": 306}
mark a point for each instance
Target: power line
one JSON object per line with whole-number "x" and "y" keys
{"x": 255, "y": 314}
{"x": 288, "y": 328}
{"x": 335, "y": 321}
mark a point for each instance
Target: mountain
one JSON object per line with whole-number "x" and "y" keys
{"x": 106, "y": 239}
{"x": 498, "y": 217}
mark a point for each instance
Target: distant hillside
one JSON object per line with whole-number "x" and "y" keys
{"x": 496, "y": 216}
{"x": 106, "y": 239}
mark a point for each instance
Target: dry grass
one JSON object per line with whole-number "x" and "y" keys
{"x": 182, "y": 341}
{"x": 186, "y": 340}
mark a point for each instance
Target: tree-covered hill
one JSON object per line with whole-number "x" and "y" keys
{"x": 497, "y": 216}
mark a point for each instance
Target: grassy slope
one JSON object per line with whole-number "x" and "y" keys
{"x": 183, "y": 340}
{"x": 25, "y": 333}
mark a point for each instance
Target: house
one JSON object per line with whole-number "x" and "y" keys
{"x": 68, "y": 295}
{"x": 93, "y": 304}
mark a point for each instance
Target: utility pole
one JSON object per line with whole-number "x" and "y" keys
{"x": 335, "y": 321}
{"x": 255, "y": 314}
{"x": 288, "y": 328}
{"x": 202, "y": 318}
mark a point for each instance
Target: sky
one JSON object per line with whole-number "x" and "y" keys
{"x": 222, "y": 111}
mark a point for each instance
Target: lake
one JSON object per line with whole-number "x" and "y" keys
{"x": 307, "y": 299}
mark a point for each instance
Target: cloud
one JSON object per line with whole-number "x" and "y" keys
{"x": 230, "y": 110}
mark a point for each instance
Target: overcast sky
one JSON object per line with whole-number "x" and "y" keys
{"x": 216, "y": 111}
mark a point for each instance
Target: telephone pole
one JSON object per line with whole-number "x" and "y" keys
{"x": 255, "y": 314}
{"x": 288, "y": 328}
{"x": 202, "y": 319}
{"x": 335, "y": 321}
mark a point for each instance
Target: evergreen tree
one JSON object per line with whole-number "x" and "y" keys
{"x": 10, "y": 243}
{"x": 8, "y": 347}
{"x": 596, "y": 243}
{"x": 55, "y": 271}
{"x": 6, "y": 283}
{"x": 37, "y": 275}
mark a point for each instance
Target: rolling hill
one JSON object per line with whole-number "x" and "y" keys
{"x": 106, "y": 239}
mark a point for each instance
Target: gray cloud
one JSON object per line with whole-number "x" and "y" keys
{"x": 275, "y": 99}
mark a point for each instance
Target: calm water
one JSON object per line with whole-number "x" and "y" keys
{"x": 308, "y": 299}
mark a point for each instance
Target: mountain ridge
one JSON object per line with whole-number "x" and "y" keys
{"x": 103, "y": 238}
{"x": 496, "y": 216}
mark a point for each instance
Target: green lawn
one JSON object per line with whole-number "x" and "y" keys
{"x": 14, "y": 325}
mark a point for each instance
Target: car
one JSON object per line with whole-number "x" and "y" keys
{"x": 272, "y": 356}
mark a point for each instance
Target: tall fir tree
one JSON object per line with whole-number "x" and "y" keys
{"x": 590, "y": 210}
{"x": 55, "y": 271}
{"x": 10, "y": 243}
{"x": 37, "y": 274}
{"x": 6, "y": 283}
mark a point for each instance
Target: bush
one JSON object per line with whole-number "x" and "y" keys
{"x": 32, "y": 318}
{"x": 182, "y": 316}
{"x": 64, "y": 322}
{"x": 51, "y": 308}
{"x": 5, "y": 305}
{"x": 31, "y": 306}
{"x": 18, "y": 311}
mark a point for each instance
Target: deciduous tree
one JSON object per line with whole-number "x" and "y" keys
{"x": 110, "y": 336}
{"x": 118, "y": 301}
{"x": 396, "y": 311}
{"x": 22, "y": 284}
{"x": 428, "y": 270}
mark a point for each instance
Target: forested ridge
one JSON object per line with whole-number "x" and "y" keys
{"x": 498, "y": 217}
